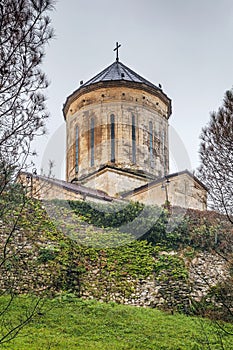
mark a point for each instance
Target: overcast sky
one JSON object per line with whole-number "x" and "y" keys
{"x": 186, "y": 45}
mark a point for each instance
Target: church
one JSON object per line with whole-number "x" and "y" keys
{"x": 117, "y": 146}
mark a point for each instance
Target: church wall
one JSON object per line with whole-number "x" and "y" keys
{"x": 114, "y": 182}
{"x": 123, "y": 103}
{"x": 182, "y": 191}
{"x": 43, "y": 189}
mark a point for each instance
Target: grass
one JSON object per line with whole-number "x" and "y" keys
{"x": 90, "y": 325}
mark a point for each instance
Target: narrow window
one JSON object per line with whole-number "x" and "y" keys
{"x": 112, "y": 138}
{"x": 92, "y": 140}
{"x": 151, "y": 141}
{"x": 164, "y": 152}
{"x": 133, "y": 140}
{"x": 76, "y": 149}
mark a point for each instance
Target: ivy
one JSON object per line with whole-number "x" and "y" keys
{"x": 170, "y": 267}
{"x": 47, "y": 254}
{"x": 112, "y": 215}
{"x": 199, "y": 230}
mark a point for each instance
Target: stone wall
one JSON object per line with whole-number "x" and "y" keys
{"x": 25, "y": 268}
{"x": 204, "y": 271}
{"x": 143, "y": 292}
{"x": 21, "y": 271}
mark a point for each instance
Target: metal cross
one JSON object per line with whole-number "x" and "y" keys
{"x": 117, "y": 51}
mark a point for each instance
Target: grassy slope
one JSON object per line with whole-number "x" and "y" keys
{"x": 89, "y": 325}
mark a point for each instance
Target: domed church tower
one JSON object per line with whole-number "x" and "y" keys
{"x": 117, "y": 131}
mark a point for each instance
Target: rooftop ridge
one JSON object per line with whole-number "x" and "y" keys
{"x": 114, "y": 72}
{"x": 97, "y": 75}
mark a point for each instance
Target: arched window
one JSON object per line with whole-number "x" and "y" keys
{"x": 92, "y": 141}
{"x": 112, "y": 138}
{"x": 164, "y": 152}
{"x": 76, "y": 148}
{"x": 133, "y": 140}
{"x": 151, "y": 141}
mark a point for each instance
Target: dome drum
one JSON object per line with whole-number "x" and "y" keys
{"x": 121, "y": 125}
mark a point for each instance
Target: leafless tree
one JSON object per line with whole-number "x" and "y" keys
{"x": 216, "y": 171}
{"x": 25, "y": 29}
{"x": 216, "y": 153}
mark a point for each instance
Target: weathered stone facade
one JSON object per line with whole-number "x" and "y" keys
{"x": 180, "y": 189}
{"x": 44, "y": 188}
{"x": 124, "y": 104}
{"x": 114, "y": 181}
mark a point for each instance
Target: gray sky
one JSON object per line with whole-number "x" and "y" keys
{"x": 186, "y": 45}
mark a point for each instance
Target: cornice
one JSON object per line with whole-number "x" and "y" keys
{"x": 116, "y": 83}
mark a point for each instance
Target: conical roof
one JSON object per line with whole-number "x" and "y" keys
{"x": 118, "y": 71}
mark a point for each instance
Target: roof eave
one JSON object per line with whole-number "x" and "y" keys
{"x": 161, "y": 180}
{"x": 113, "y": 83}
